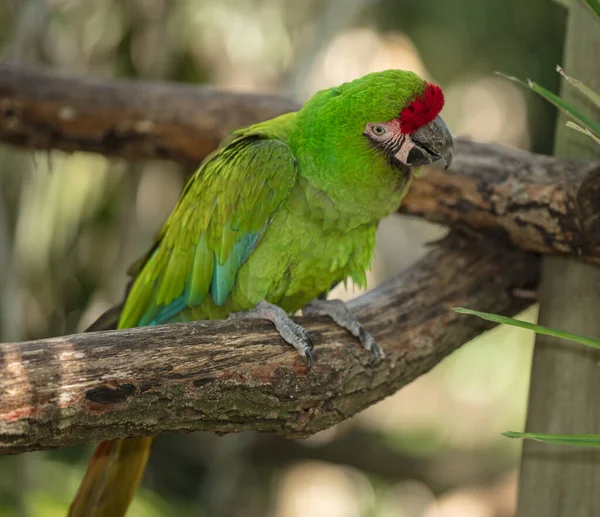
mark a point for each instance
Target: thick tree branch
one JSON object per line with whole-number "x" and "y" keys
{"x": 230, "y": 376}
{"x": 534, "y": 202}
{"x": 42, "y": 109}
{"x": 537, "y": 203}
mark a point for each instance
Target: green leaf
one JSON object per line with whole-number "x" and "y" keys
{"x": 583, "y": 130}
{"x": 585, "y": 440}
{"x": 594, "y": 6}
{"x": 584, "y": 89}
{"x": 558, "y": 102}
{"x": 594, "y": 343}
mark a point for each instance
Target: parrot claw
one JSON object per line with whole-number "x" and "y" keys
{"x": 290, "y": 331}
{"x": 368, "y": 343}
{"x": 339, "y": 312}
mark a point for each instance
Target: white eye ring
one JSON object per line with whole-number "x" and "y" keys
{"x": 378, "y": 130}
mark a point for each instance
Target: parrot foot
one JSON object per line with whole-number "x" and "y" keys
{"x": 291, "y": 332}
{"x": 339, "y": 312}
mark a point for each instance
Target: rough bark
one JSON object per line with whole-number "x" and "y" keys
{"x": 534, "y": 202}
{"x": 228, "y": 376}
{"x": 42, "y": 109}
{"x": 565, "y": 380}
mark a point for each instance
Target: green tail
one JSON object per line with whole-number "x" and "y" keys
{"x": 112, "y": 478}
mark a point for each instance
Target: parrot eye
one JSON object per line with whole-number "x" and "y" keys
{"x": 378, "y": 130}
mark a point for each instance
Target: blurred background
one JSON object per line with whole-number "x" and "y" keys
{"x": 71, "y": 224}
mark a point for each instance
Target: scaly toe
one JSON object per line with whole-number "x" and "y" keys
{"x": 368, "y": 343}
{"x": 378, "y": 353}
{"x": 305, "y": 336}
{"x": 309, "y": 359}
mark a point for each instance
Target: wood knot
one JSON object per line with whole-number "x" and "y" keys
{"x": 203, "y": 381}
{"x": 110, "y": 393}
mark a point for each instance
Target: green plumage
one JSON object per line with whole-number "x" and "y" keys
{"x": 281, "y": 211}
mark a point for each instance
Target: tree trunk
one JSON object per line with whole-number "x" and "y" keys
{"x": 557, "y": 481}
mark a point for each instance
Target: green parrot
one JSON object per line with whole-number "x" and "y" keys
{"x": 281, "y": 212}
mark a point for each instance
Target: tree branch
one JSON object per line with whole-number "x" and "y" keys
{"x": 229, "y": 376}
{"x": 533, "y": 202}
{"x": 537, "y": 203}
{"x": 42, "y": 109}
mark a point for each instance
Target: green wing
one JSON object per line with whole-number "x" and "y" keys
{"x": 219, "y": 220}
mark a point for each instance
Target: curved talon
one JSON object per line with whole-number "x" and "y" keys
{"x": 309, "y": 360}
{"x": 368, "y": 343}
{"x": 377, "y": 353}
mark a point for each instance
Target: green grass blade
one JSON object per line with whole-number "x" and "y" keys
{"x": 594, "y": 5}
{"x": 583, "y": 130}
{"x": 582, "y": 87}
{"x": 566, "y": 108}
{"x": 585, "y": 440}
{"x": 559, "y": 103}
{"x": 594, "y": 343}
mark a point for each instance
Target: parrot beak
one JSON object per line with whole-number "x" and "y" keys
{"x": 430, "y": 143}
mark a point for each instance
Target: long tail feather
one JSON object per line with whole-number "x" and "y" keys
{"x": 112, "y": 478}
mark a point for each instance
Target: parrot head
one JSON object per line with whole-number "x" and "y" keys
{"x": 364, "y": 139}
{"x": 417, "y": 135}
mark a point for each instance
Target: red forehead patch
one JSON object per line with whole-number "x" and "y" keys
{"x": 423, "y": 109}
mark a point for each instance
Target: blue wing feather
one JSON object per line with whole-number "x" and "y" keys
{"x": 222, "y": 281}
{"x": 167, "y": 312}
{"x": 224, "y": 274}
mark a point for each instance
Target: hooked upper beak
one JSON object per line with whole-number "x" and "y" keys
{"x": 431, "y": 142}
